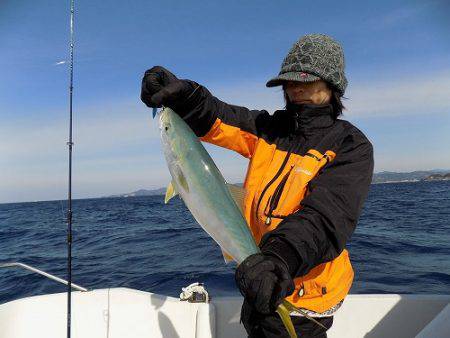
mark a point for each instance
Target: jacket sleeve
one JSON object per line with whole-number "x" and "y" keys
{"x": 233, "y": 127}
{"x": 319, "y": 231}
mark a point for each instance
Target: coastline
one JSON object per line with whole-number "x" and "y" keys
{"x": 152, "y": 192}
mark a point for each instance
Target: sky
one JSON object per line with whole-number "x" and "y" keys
{"x": 397, "y": 63}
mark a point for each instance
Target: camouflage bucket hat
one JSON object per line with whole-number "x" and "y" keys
{"x": 314, "y": 57}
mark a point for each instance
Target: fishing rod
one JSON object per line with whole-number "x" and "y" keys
{"x": 69, "y": 194}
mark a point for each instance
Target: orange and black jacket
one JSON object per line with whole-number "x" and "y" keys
{"x": 308, "y": 177}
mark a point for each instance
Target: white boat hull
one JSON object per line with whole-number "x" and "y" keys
{"x": 127, "y": 313}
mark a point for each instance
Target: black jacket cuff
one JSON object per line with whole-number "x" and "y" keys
{"x": 197, "y": 112}
{"x": 282, "y": 250}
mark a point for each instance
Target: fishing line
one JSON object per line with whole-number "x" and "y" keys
{"x": 62, "y": 211}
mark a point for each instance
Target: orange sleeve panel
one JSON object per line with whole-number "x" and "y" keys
{"x": 230, "y": 137}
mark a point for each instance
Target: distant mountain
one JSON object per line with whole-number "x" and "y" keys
{"x": 381, "y": 177}
{"x": 142, "y": 192}
{"x": 389, "y": 176}
{"x": 145, "y": 192}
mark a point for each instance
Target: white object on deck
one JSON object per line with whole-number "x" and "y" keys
{"x": 127, "y": 313}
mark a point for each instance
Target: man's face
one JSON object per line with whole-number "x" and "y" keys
{"x": 316, "y": 92}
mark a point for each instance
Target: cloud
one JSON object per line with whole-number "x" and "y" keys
{"x": 402, "y": 15}
{"x": 254, "y": 95}
{"x": 109, "y": 138}
{"x": 101, "y": 127}
{"x": 397, "y": 16}
{"x": 117, "y": 146}
{"x": 418, "y": 94}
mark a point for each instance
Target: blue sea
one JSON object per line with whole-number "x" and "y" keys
{"x": 401, "y": 244}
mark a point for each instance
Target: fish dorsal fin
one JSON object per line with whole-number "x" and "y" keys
{"x": 238, "y": 193}
{"x": 170, "y": 192}
{"x": 226, "y": 256}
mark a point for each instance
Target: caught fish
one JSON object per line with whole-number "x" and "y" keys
{"x": 215, "y": 204}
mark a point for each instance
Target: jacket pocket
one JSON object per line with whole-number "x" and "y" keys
{"x": 297, "y": 184}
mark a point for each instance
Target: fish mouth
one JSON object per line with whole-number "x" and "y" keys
{"x": 164, "y": 122}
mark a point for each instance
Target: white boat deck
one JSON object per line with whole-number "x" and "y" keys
{"x": 127, "y": 313}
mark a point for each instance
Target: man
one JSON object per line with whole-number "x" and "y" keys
{"x": 308, "y": 176}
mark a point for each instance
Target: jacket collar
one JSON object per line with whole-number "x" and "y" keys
{"x": 309, "y": 117}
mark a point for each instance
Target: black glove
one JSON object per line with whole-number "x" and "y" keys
{"x": 161, "y": 88}
{"x": 264, "y": 281}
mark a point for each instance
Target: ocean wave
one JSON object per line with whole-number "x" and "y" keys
{"x": 401, "y": 244}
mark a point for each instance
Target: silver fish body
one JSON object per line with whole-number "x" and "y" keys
{"x": 203, "y": 189}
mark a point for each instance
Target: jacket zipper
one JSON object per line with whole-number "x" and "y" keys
{"x": 272, "y": 202}
{"x": 280, "y": 170}
{"x": 275, "y": 198}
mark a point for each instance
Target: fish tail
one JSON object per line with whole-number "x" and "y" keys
{"x": 285, "y": 316}
{"x": 292, "y": 308}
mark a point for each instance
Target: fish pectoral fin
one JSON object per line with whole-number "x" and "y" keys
{"x": 179, "y": 178}
{"x": 238, "y": 193}
{"x": 226, "y": 256}
{"x": 170, "y": 192}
